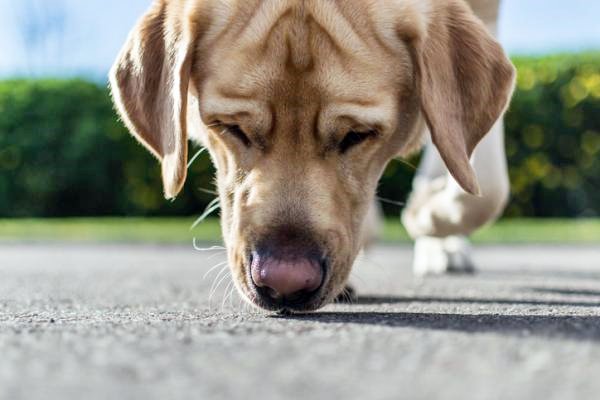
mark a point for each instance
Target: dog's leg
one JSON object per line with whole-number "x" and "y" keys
{"x": 439, "y": 207}
{"x": 440, "y": 215}
{"x": 436, "y": 256}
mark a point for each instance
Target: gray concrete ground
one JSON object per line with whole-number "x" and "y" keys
{"x": 136, "y": 322}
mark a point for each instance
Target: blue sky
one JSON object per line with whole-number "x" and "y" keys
{"x": 82, "y": 37}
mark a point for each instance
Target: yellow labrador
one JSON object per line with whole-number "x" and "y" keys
{"x": 302, "y": 103}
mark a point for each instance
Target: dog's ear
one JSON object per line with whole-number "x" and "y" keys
{"x": 466, "y": 81}
{"x": 149, "y": 83}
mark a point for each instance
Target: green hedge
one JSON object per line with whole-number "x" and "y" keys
{"x": 553, "y": 137}
{"x": 552, "y": 140}
{"x": 63, "y": 152}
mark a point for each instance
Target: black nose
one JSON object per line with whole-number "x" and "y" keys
{"x": 287, "y": 269}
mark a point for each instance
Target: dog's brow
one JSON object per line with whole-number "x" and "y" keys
{"x": 362, "y": 102}
{"x": 230, "y": 93}
{"x": 227, "y": 106}
{"x": 367, "y": 112}
{"x": 223, "y": 101}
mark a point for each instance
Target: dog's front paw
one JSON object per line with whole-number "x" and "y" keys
{"x": 436, "y": 256}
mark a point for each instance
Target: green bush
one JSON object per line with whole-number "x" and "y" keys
{"x": 552, "y": 140}
{"x": 64, "y": 153}
{"x": 553, "y": 137}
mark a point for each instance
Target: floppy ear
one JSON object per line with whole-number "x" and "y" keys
{"x": 466, "y": 82}
{"x": 149, "y": 83}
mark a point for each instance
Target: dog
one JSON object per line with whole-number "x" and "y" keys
{"x": 302, "y": 104}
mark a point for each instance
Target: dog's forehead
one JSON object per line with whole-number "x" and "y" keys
{"x": 253, "y": 21}
{"x": 289, "y": 51}
{"x": 286, "y": 36}
{"x": 258, "y": 18}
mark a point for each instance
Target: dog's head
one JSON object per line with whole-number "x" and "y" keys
{"x": 302, "y": 103}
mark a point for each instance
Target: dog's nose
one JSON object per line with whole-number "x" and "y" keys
{"x": 288, "y": 268}
{"x": 286, "y": 279}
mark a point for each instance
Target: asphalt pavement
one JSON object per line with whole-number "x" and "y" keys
{"x": 153, "y": 322}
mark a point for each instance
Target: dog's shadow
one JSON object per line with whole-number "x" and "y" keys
{"x": 550, "y": 326}
{"x": 379, "y": 300}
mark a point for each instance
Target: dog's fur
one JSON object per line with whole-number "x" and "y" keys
{"x": 296, "y": 76}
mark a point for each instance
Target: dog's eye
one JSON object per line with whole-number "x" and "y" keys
{"x": 238, "y": 133}
{"x": 354, "y": 138}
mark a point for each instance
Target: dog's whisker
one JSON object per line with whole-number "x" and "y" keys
{"x": 241, "y": 301}
{"x": 405, "y": 162}
{"x": 206, "y": 249}
{"x": 225, "y": 276}
{"x": 227, "y": 294}
{"x": 212, "y": 207}
{"x": 236, "y": 293}
{"x": 372, "y": 262}
{"x": 392, "y": 202}
{"x": 347, "y": 293}
{"x": 195, "y": 157}
{"x": 218, "y": 279}
{"x": 213, "y": 268}
{"x": 342, "y": 298}
{"x": 358, "y": 277}
{"x": 216, "y": 254}
{"x": 221, "y": 272}
{"x": 364, "y": 258}
{"x": 208, "y": 191}
{"x": 224, "y": 294}
{"x": 213, "y": 203}
{"x": 242, "y": 304}
{"x": 230, "y": 296}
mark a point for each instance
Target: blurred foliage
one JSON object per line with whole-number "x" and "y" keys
{"x": 552, "y": 140}
{"x": 64, "y": 153}
{"x": 553, "y": 137}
